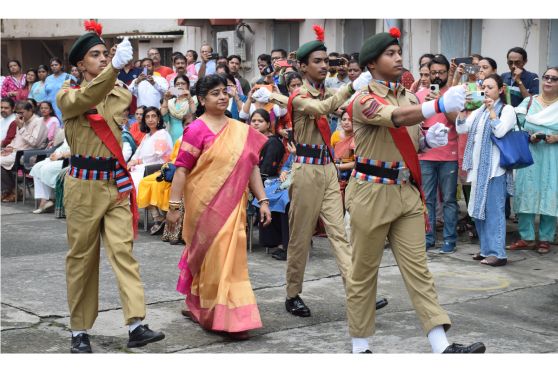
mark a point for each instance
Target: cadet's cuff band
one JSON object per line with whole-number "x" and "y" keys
{"x": 429, "y": 109}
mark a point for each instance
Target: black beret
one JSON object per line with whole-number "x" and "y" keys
{"x": 375, "y": 45}
{"x": 82, "y": 45}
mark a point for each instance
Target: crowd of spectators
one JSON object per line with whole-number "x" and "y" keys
{"x": 164, "y": 103}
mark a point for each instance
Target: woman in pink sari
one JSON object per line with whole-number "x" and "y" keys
{"x": 216, "y": 163}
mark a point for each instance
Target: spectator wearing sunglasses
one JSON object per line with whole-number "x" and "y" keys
{"x": 536, "y": 187}
{"x": 521, "y": 82}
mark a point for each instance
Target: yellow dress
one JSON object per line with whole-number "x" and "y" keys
{"x": 155, "y": 193}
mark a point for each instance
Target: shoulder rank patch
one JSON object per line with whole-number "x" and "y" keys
{"x": 372, "y": 108}
{"x": 366, "y": 98}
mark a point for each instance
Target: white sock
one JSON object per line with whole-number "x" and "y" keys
{"x": 77, "y": 333}
{"x": 134, "y": 325}
{"x": 438, "y": 339}
{"x": 360, "y": 345}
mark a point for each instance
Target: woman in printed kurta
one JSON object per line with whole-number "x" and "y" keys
{"x": 536, "y": 187}
{"x": 216, "y": 163}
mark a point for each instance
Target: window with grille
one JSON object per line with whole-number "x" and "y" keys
{"x": 355, "y": 31}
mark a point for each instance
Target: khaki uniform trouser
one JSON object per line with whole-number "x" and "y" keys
{"x": 395, "y": 211}
{"x": 314, "y": 193}
{"x": 92, "y": 212}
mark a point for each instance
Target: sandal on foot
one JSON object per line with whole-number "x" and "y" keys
{"x": 494, "y": 261}
{"x": 478, "y": 257}
{"x": 188, "y": 314}
{"x": 543, "y": 247}
{"x": 158, "y": 227}
{"x": 521, "y": 244}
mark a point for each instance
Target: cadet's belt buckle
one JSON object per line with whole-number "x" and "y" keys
{"x": 322, "y": 155}
{"x": 404, "y": 175}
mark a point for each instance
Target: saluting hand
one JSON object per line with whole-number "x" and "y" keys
{"x": 124, "y": 54}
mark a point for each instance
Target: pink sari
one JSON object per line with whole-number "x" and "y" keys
{"x": 213, "y": 268}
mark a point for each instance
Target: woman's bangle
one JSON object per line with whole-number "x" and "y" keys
{"x": 263, "y": 200}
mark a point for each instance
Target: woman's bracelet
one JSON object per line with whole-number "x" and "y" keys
{"x": 263, "y": 200}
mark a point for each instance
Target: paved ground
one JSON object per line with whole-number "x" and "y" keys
{"x": 512, "y": 309}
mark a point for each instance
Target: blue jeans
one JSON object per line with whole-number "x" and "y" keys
{"x": 443, "y": 175}
{"x": 492, "y": 230}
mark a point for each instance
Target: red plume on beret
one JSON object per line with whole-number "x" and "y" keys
{"x": 93, "y": 26}
{"x": 394, "y": 31}
{"x": 320, "y": 33}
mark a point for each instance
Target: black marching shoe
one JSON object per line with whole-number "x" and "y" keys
{"x": 297, "y": 307}
{"x": 381, "y": 303}
{"x": 142, "y": 336}
{"x": 80, "y": 344}
{"x": 476, "y": 348}
{"x": 367, "y": 351}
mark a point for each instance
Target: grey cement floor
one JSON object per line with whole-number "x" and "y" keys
{"x": 512, "y": 309}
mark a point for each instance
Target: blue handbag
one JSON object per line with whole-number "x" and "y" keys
{"x": 167, "y": 172}
{"x": 514, "y": 148}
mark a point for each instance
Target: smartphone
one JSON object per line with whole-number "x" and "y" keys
{"x": 291, "y": 62}
{"x": 284, "y": 63}
{"x": 477, "y": 95}
{"x": 435, "y": 88}
{"x": 175, "y": 91}
{"x": 144, "y": 71}
{"x": 290, "y": 136}
{"x": 214, "y": 56}
{"x": 268, "y": 70}
{"x": 335, "y": 62}
{"x": 540, "y": 136}
{"x": 471, "y": 69}
{"x": 464, "y": 60}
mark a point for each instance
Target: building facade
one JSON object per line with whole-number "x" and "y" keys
{"x": 35, "y": 41}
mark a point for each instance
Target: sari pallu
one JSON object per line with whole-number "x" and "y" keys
{"x": 214, "y": 270}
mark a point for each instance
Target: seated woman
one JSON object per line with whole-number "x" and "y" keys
{"x": 155, "y": 148}
{"x": 44, "y": 175}
{"x": 343, "y": 143}
{"x": 50, "y": 121}
{"x": 175, "y": 108}
{"x": 271, "y": 155}
{"x": 156, "y": 193}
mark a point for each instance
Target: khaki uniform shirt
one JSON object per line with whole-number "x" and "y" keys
{"x": 102, "y": 94}
{"x": 307, "y": 109}
{"x": 372, "y": 119}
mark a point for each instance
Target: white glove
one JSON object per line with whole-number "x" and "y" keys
{"x": 452, "y": 101}
{"x": 437, "y": 135}
{"x": 362, "y": 81}
{"x": 262, "y": 95}
{"x": 124, "y": 54}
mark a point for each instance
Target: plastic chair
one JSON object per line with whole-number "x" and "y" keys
{"x": 149, "y": 169}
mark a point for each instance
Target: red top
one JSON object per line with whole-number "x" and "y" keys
{"x": 164, "y": 71}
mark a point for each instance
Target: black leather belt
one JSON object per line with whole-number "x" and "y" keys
{"x": 372, "y": 170}
{"x": 102, "y": 165}
{"x": 311, "y": 152}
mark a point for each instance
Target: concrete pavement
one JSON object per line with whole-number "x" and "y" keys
{"x": 512, "y": 309}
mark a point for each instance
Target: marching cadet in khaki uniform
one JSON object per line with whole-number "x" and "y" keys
{"x": 384, "y": 198}
{"x": 314, "y": 191}
{"x": 97, "y": 188}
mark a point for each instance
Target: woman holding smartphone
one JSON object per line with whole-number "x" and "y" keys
{"x": 177, "y": 103}
{"x": 489, "y": 181}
